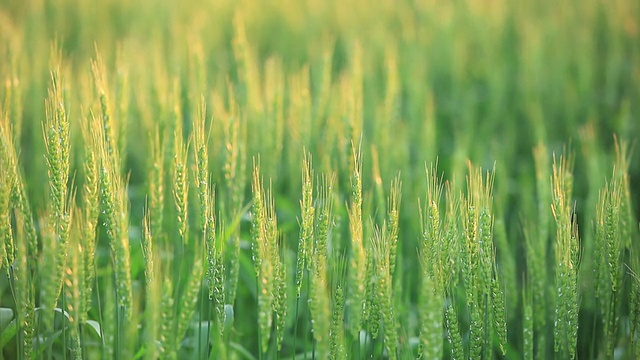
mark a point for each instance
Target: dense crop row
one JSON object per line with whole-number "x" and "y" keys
{"x": 319, "y": 179}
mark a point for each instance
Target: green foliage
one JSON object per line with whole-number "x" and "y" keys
{"x": 134, "y": 224}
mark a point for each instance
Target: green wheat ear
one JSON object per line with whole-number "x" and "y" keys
{"x": 606, "y": 256}
{"x": 115, "y": 205}
{"x": 24, "y": 292}
{"x": 89, "y": 217}
{"x": 393, "y": 221}
{"x": 383, "y": 289}
{"x": 270, "y": 268}
{"x": 338, "y": 278}
{"x": 628, "y": 236}
{"x": 355, "y": 301}
{"x": 498, "y": 308}
{"x": 319, "y": 287}
{"x": 612, "y": 237}
{"x": 167, "y": 315}
{"x": 207, "y": 221}
{"x": 305, "y": 244}
{"x": 7, "y": 252}
{"x": 181, "y": 184}
{"x": 55, "y": 248}
{"x": 484, "y": 297}
{"x": 305, "y": 248}
{"x": 152, "y": 289}
{"x": 108, "y": 124}
{"x": 17, "y": 191}
{"x": 567, "y": 302}
{"x": 453, "y": 328}
{"x": 56, "y": 136}
{"x": 19, "y": 242}
{"x": 156, "y": 181}
{"x": 201, "y": 172}
{"x": 432, "y": 260}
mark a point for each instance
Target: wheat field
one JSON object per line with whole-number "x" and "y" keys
{"x": 319, "y": 179}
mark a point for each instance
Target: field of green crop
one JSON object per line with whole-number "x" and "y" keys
{"x": 319, "y": 179}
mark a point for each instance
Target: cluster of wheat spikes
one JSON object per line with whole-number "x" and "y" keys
{"x": 319, "y": 180}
